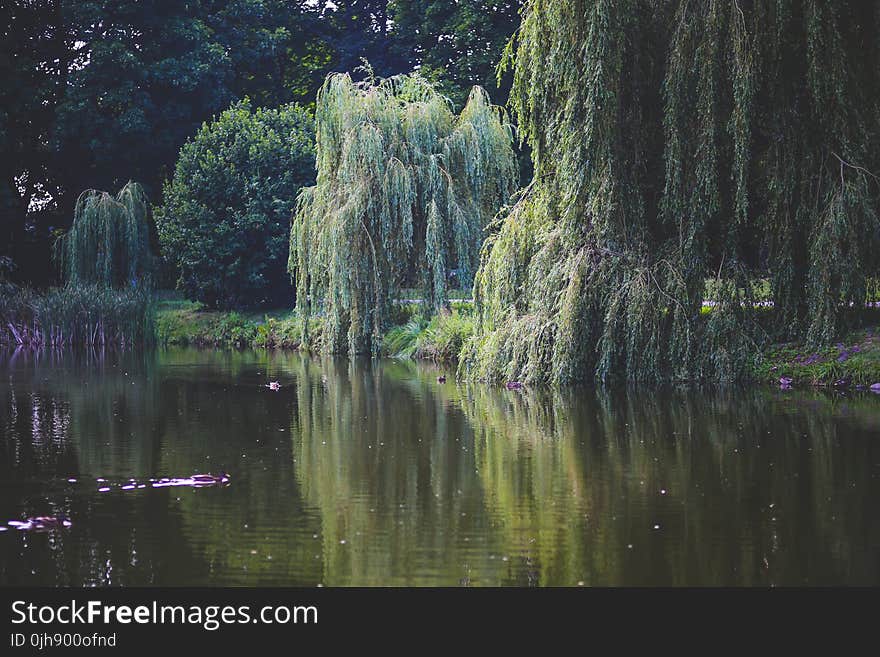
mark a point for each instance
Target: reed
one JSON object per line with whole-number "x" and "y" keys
{"x": 91, "y": 315}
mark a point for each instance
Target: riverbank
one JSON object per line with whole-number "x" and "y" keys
{"x": 853, "y": 362}
{"x": 180, "y": 323}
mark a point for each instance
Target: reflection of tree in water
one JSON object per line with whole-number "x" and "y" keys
{"x": 568, "y": 486}
{"x": 391, "y": 469}
{"x": 729, "y": 478}
{"x": 220, "y": 417}
{"x": 425, "y": 483}
{"x": 83, "y": 410}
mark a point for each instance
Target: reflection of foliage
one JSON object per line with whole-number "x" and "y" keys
{"x": 386, "y": 485}
{"x": 563, "y": 483}
{"x": 96, "y": 414}
{"x": 55, "y": 426}
{"x": 425, "y": 483}
{"x": 597, "y": 470}
{"x": 257, "y": 530}
{"x": 135, "y": 416}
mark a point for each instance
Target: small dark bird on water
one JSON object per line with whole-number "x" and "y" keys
{"x": 441, "y": 379}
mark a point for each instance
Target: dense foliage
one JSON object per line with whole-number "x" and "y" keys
{"x": 456, "y": 44}
{"x": 404, "y": 190}
{"x": 225, "y": 220}
{"x": 675, "y": 143}
{"x": 96, "y": 93}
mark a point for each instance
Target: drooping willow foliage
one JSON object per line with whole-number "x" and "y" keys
{"x": 108, "y": 242}
{"x": 404, "y": 190}
{"x": 683, "y": 151}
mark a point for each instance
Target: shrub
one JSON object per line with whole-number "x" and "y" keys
{"x": 225, "y": 217}
{"x": 441, "y": 339}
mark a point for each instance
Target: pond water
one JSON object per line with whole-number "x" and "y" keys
{"x": 372, "y": 473}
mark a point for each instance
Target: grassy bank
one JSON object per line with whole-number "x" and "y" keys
{"x": 439, "y": 338}
{"x": 853, "y": 362}
{"x": 180, "y": 322}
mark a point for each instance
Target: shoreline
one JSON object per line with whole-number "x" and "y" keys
{"x": 850, "y": 364}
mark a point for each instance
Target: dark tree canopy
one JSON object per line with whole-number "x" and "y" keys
{"x": 146, "y": 74}
{"x": 457, "y": 44}
{"x": 32, "y": 67}
{"x": 96, "y": 93}
{"x": 359, "y": 30}
{"x": 683, "y": 149}
{"x": 225, "y": 218}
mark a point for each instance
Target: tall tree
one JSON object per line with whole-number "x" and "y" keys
{"x": 677, "y": 143}
{"x": 108, "y": 243}
{"x": 358, "y": 31}
{"x": 404, "y": 190}
{"x": 153, "y": 71}
{"x": 34, "y": 57}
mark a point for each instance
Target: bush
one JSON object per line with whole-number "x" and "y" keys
{"x": 225, "y": 218}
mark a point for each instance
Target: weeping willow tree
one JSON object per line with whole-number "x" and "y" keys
{"x": 682, "y": 150}
{"x": 404, "y": 190}
{"x": 108, "y": 243}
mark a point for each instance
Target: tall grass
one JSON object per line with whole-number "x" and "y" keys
{"x": 76, "y": 315}
{"x": 402, "y": 341}
{"x": 440, "y": 339}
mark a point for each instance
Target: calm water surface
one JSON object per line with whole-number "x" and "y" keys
{"x": 372, "y": 473}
